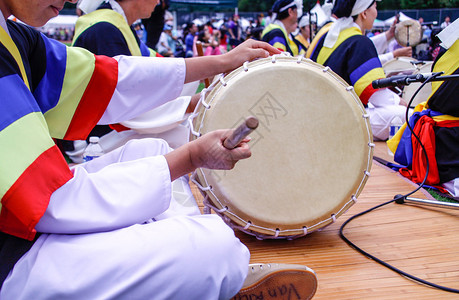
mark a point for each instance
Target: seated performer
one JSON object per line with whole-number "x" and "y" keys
{"x": 342, "y": 46}
{"x": 436, "y": 123}
{"x": 279, "y": 32}
{"x": 90, "y": 232}
{"x": 305, "y": 32}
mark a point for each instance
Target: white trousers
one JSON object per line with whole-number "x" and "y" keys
{"x": 180, "y": 255}
{"x": 381, "y": 117}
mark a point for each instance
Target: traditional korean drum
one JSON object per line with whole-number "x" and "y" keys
{"x": 311, "y": 153}
{"x": 408, "y": 33}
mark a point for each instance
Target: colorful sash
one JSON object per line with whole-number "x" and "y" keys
{"x": 8, "y": 42}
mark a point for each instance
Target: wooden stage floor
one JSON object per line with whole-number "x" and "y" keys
{"x": 422, "y": 241}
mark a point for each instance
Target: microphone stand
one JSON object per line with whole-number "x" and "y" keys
{"x": 409, "y": 80}
{"x": 400, "y": 199}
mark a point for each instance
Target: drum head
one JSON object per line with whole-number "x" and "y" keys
{"x": 399, "y": 66}
{"x": 424, "y": 94}
{"x": 311, "y": 153}
{"x": 408, "y": 33}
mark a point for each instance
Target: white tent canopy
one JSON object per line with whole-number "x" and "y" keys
{"x": 402, "y": 17}
{"x": 67, "y": 21}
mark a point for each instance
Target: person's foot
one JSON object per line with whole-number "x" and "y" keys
{"x": 278, "y": 281}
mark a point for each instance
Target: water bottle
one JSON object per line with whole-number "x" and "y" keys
{"x": 395, "y": 125}
{"x": 93, "y": 150}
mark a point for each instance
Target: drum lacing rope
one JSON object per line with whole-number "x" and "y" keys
{"x": 223, "y": 82}
{"x": 333, "y": 218}
{"x": 350, "y": 88}
{"x": 300, "y": 58}
{"x": 354, "y": 198}
{"x": 326, "y": 69}
{"x": 275, "y": 56}
{"x": 208, "y": 188}
{"x": 207, "y": 203}
{"x": 371, "y": 145}
{"x": 246, "y": 66}
{"x": 203, "y": 103}
{"x": 249, "y": 223}
{"x": 305, "y": 230}
{"x": 366, "y": 116}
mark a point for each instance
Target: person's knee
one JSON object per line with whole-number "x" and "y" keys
{"x": 218, "y": 240}
{"x": 147, "y": 146}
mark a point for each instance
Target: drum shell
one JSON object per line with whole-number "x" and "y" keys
{"x": 311, "y": 153}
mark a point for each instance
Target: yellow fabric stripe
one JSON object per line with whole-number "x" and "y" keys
{"x": 448, "y": 63}
{"x": 365, "y": 80}
{"x": 325, "y": 52}
{"x": 24, "y": 146}
{"x": 8, "y": 42}
{"x": 280, "y": 46}
{"x": 291, "y": 44}
{"x": 302, "y": 40}
{"x": 392, "y": 144}
{"x": 80, "y": 66}
{"x": 112, "y": 17}
{"x": 316, "y": 39}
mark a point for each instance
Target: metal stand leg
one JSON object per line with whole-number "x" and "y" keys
{"x": 401, "y": 200}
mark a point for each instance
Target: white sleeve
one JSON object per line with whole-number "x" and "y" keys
{"x": 381, "y": 43}
{"x": 143, "y": 84}
{"x": 161, "y": 119}
{"x": 384, "y": 97}
{"x": 385, "y": 57}
{"x": 124, "y": 187}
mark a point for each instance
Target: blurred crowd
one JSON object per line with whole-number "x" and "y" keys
{"x": 217, "y": 36}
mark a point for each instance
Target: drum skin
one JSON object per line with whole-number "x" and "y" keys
{"x": 311, "y": 153}
{"x": 424, "y": 94}
{"x": 408, "y": 33}
{"x": 399, "y": 66}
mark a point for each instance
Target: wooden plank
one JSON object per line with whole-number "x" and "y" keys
{"x": 420, "y": 240}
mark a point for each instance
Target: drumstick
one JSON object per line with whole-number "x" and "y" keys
{"x": 243, "y": 130}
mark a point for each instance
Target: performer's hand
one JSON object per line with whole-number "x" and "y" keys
{"x": 198, "y": 68}
{"x": 405, "y": 51}
{"x": 390, "y": 34}
{"x": 208, "y": 151}
{"x": 248, "y": 51}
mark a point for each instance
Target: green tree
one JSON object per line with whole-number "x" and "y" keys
{"x": 255, "y": 5}
{"x": 448, "y": 3}
{"x": 265, "y": 5}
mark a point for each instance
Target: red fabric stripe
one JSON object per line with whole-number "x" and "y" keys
{"x": 95, "y": 98}
{"x": 119, "y": 127}
{"x": 424, "y": 129}
{"x": 26, "y": 201}
{"x": 366, "y": 94}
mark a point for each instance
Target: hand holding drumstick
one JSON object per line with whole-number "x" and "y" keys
{"x": 219, "y": 149}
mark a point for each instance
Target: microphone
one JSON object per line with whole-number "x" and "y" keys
{"x": 401, "y": 80}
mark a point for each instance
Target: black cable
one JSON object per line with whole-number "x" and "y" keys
{"x": 397, "y": 197}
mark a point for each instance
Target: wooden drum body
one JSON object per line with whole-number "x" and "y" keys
{"x": 311, "y": 153}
